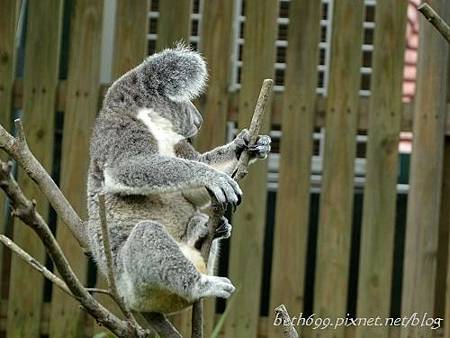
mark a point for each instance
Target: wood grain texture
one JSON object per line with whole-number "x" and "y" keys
{"x": 130, "y": 43}
{"x": 174, "y": 23}
{"x": 293, "y": 197}
{"x": 40, "y": 81}
{"x": 246, "y": 248}
{"x": 336, "y": 200}
{"x": 426, "y": 174}
{"x": 217, "y": 24}
{"x": 380, "y": 192}
{"x": 68, "y": 320}
{"x": 8, "y": 22}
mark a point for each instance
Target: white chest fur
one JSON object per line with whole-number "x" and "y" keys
{"x": 161, "y": 129}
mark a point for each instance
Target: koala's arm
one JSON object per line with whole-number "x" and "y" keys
{"x": 226, "y": 157}
{"x": 155, "y": 174}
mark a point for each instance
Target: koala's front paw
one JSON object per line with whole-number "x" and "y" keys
{"x": 197, "y": 228}
{"x": 224, "y": 189}
{"x": 221, "y": 287}
{"x": 259, "y": 150}
{"x": 224, "y": 229}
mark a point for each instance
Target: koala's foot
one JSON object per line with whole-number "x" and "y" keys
{"x": 197, "y": 228}
{"x": 213, "y": 286}
{"x": 224, "y": 229}
{"x": 259, "y": 150}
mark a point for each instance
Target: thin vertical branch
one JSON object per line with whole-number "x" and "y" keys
{"x": 430, "y": 14}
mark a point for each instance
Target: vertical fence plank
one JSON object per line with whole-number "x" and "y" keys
{"x": 40, "y": 81}
{"x": 130, "y": 48}
{"x": 380, "y": 192}
{"x": 246, "y": 248}
{"x": 174, "y": 23}
{"x": 130, "y": 42}
{"x": 8, "y": 22}
{"x": 336, "y": 200}
{"x": 67, "y": 319}
{"x": 291, "y": 228}
{"x": 425, "y": 179}
{"x": 216, "y": 49}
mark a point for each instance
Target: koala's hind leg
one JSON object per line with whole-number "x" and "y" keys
{"x": 152, "y": 266}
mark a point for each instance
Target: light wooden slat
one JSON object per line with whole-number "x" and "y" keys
{"x": 447, "y": 297}
{"x": 426, "y": 174}
{"x": 336, "y": 200}
{"x": 8, "y": 22}
{"x": 292, "y": 212}
{"x": 380, "y": 192}
{"x": 40, "y": 81}
{"x": 130, "y": 44}
{"x": 67, "y": 319}
{"x": 246, "y": 248}
{"x": 174, "y": 23}
{"x": 217, "y": 14}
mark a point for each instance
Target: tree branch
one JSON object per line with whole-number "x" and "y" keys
{"x": 25, "y": 209}
{"x": 217, "y": 209}
{"x": 35, "y": 264}
{"x": 18, "y": 149}
{"x": 430, "y": 14}
{"x": 287, "y": 326}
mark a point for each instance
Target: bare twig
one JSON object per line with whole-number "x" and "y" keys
{"x": 255, "y": 126}
{"x": 287, "y": 326}
{"x": 109, "y": 261}
{"x": 35, "y": 264}
{"x": 217, "y": 209}
{"x": 25, "y": 209}
{"x": 97, "y": 290}
{"x": 18, "y": 149}
{"x": 430, "y": 14}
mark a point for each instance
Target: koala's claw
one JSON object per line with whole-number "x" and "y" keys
{"x": 259, "y": 150}
{"x": 225, "y": 190}
{"x": 224, "y": 229}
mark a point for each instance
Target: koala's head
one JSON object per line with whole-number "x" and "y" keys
{"x": 163, "y": 86}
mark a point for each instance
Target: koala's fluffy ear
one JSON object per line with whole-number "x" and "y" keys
{"x": 179, "y": 73}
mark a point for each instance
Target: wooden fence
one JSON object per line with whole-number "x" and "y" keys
{"x": 58, "y": 115}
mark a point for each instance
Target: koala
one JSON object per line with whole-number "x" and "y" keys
{"x": 142, "y": 159}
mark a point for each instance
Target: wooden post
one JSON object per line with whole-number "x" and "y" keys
{"x": 336, "y": 200}
{"x": 292, "y": 212}
{"x": 8, "y": 22}
{"x": 380, "y": 192}
{"x": 67, "y": 319}
{"x": 174, "y": 23}
{"x": 246, "y": 249}
{"x": 39, "y": 94}
{"x": 426, "y": 174}
{"x": 217, "y": 14}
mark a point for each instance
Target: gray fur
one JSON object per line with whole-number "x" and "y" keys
{"x": 153, "y": 226}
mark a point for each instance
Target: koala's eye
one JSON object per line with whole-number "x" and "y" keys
{"x": 189, "y": 139}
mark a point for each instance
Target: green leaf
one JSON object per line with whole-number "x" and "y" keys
{"x": 221, "y": 321}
